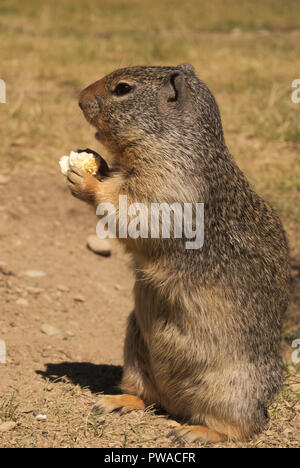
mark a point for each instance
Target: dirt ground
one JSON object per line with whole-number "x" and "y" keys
{"x": 87, "y": 298}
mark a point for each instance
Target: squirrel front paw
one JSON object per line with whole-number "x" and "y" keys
{"x": 82, "y": 185}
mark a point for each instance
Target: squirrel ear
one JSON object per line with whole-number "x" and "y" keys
{"x": 175, "y": 91}
{"x": 187, "y": 67}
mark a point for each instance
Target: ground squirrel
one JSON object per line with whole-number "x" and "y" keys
{"x": 203, "y": 341}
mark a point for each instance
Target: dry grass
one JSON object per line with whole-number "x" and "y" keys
{"x": 248, "y": 54}
{"x": 70, "y": 422}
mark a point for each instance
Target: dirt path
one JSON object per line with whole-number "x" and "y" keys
{"x": 87, "y": 298}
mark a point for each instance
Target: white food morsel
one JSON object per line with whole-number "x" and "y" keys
{"x": 88, "y": 162}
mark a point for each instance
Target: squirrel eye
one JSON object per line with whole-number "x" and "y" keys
{"x": 122, "y": 88}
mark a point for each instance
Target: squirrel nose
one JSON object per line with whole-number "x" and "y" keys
{"x": 90, "y": 99}
{"x": 89, "y": 105}
{"x": 87, "y": 101}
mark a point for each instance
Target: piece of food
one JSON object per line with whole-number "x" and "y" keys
{"x": 87, "y": 162}
{"x": 64, "y": 164}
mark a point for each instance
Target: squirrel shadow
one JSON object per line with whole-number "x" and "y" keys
{"x": 97, "y": 378}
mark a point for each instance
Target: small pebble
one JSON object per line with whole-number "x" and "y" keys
{"x": 2, "y": 352}
{"x": 4, "y": 179}
{"x": 63, "y": 288}
{"x": 99, "y": 246}
{"x": 7, "y": 426}
{"x": 34, "y": 273}
{"x": 22, "y": 302}
{"x": 79, "y": 299}
{"x": 4, "y": 270}
{"x": 34, "y": 291}
{"x": 52, "y": 331}
{"x": 39, "y": 416}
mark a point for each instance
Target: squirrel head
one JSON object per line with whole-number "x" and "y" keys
{"x": 152, "y": 110}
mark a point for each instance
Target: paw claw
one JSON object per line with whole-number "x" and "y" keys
{"x": 74, "y": 177}
{"x": 98, "y": 409}
{"x": 76, "y": 170}
{"x": 191, "y": 434}
{"x": 79, "y": 184}
{"x": 176, "y": 438}
{"x": 122, "y": 403}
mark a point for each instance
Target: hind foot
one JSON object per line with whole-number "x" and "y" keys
{"x": 193, "y": 433}
{"x": 123, "y": 403}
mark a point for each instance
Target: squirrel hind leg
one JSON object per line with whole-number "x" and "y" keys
{"x": 215, "y": 431}
{"x": 195, "y": 433}
{"x": 123, "y": 403}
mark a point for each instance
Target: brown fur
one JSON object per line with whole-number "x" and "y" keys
{"x": 203, "y": 340}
